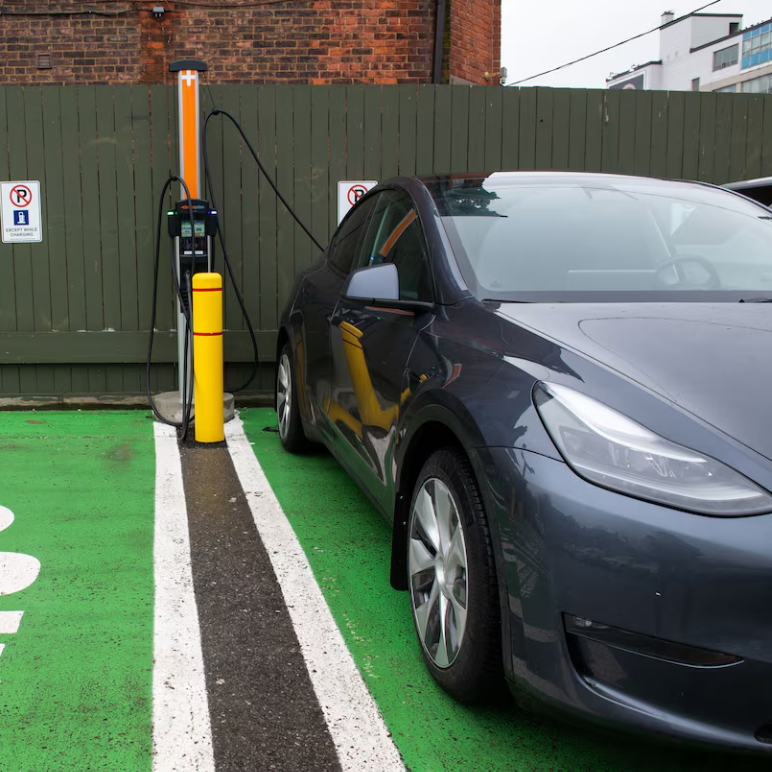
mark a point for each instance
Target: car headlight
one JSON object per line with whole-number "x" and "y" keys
{"x": 608, "y": 449}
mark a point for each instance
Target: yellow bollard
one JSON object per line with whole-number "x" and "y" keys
{"x": 208, "y": 357}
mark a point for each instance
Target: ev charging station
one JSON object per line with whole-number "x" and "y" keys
{"x": 192, "y": 226}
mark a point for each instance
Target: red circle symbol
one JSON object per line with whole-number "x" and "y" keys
{"x": 355, "y": 192}
{"x": 20, "y": 196}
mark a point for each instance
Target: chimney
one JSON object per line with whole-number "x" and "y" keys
{"x": 667, "y": 17}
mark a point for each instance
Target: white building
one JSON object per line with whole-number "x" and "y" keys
{"x": 706, "y": 52}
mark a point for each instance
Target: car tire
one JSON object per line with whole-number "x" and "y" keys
{"x": 291, "y": 432}
{"x": 452, "y": 580}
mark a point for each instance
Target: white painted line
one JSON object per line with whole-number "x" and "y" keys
{"x": 10, "y": 621}
{"x": 2, "y": 646}
{"x": 182, "y": 735}
{"x": 357, "y": 728}
{"x": 17, "y": 571}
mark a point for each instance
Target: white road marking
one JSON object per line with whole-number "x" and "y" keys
{"x": 10, "y": 621}
{"x": 17, "y": 571}
{"x": 182, "y": 735}
{"x": 357, "y": 728}
{"x": 6, "y": 518}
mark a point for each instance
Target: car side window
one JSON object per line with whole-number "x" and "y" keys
{"x": 345, "y": 244}
{"x": 394, "y": 235}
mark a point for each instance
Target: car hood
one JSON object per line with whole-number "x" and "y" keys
{"x": 711, "y": 359}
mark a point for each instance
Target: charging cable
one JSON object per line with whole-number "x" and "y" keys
{"x": 187, "y": 391}
{"x": 207, "y": 171}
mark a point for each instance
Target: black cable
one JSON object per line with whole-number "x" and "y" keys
{"x": 609, "y": 48}
{"x": 186, "y": 400}
{"x": 208, "y": 174}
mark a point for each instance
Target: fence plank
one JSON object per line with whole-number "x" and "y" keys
{"x": 544, "y": 128}
{"x": 766, "y": 153}
{"x": 266, "y": 118}
{"x": 755, "y": 136}
{"x": 707, "y": 135}
{"x": 721, "y": 163}
{"x": 577, "y": 130}
{"x": 73, "y": 215}
{"x": 372, "y": 133}
{"x": 510, "y": 129}
{"x": 285, "y": 241}
{"x": 145, "y": 200}
{"x": 407, "y": 129}
{"x": 390, "y": 123}
{"x": 659, "y": 108}
{"x": 596, "y": 110}
{"x": 561, "y": 129}
{"x": 476, "y": 154}
{"x": 628, "y": 104}
{"x": 738, "y": 143}
{"x": 691, "y": 148}
{"x": 494, "y": 105}
{"x": 108, "y": 196}
{"x": 442, "y": 127}
{"x": 642, "y": 161}
{"x": 459, "y": 129}
{"x": 160, "y": 153}
{"x": 355, "y": 132}
{"x": 250, "y": 193}
{"x": 304, "y": 248}
{"x": 425, "y": 128}
{"x": 527, "y": 132}
{"x": 25, "y": 304}
{"x": 321, "y": 201}
{"x": 610, "y": 131}
{"x": 53, "y": 194}
{"x": 337, "y": 118}
{"x": 230, "y": 201}
{"x": 675, "y": 135}
{"x": 127, "y": 244}
{"x": 8, "y": 311}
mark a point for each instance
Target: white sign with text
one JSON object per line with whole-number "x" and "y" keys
{"x": 20, "y": 212}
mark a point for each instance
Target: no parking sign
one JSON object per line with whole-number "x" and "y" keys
{"x": 20, "y": 212}
{"x": 349, "y": 192}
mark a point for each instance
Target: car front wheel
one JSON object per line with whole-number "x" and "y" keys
{"x": 452, "y": 580}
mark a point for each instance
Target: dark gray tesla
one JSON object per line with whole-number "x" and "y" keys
{"x": 558, "y": 388}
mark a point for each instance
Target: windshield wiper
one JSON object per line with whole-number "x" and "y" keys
{"x": 755, "y": 300}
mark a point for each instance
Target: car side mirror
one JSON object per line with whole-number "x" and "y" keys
{"x": 374, "y": 282}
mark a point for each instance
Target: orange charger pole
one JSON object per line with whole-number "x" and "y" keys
{"x": 208, "y": 356}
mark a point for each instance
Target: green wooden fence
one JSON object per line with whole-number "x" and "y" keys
{"x": 75, "y": 309}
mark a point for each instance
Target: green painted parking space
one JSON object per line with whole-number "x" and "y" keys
{"x": 76, "y": 678}
{"x": 348, "y": 546}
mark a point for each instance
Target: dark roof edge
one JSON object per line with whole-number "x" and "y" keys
{"x": 633, "y": 69}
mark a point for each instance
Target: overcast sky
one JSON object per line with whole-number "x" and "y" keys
{"x": 541, "y": 34}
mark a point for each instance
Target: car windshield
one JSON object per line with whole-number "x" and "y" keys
{"x": 605, "y": 238}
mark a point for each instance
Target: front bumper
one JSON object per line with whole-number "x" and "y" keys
{"x": 570, "y": 550}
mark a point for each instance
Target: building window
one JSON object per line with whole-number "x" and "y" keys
{"x": 727, "y": 89}
{"x": 757, "y": 46}
{"x": 762, "y": 85}
{"x": 696, "y": 84}
{"x": 726, "y": 57}
{"x": 733, "y": 27}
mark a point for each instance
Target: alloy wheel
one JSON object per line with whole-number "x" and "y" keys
{"x": 284, "y": 395}
{"x": 437, "y": 568}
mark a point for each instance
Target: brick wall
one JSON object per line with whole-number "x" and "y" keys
{"x": 475, "y": 41}
{"x": 293, "y": 41}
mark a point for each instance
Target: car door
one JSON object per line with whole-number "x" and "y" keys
{"x": 318, "y": 298}
{"x": 371, "y": 345}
